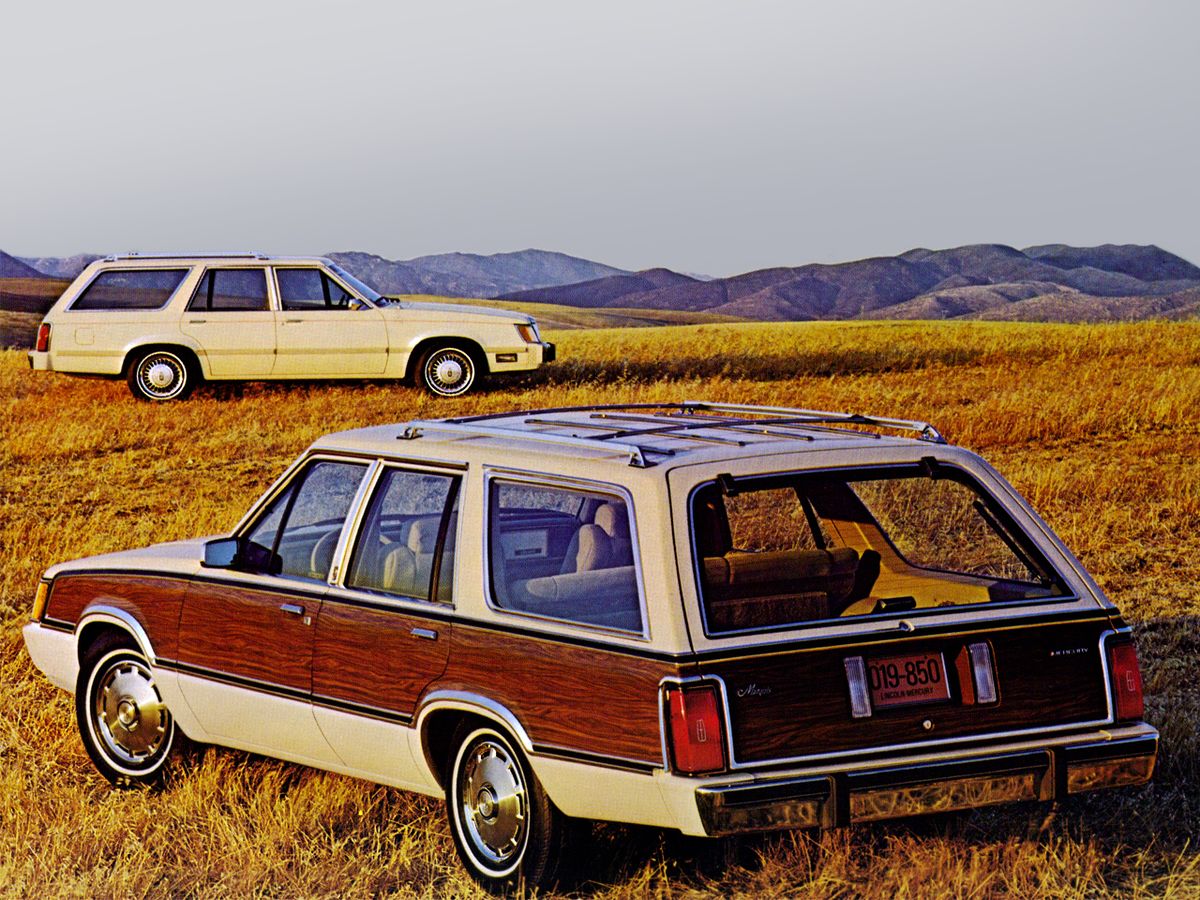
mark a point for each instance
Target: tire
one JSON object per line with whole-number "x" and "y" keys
{"x": 160, "y": 376}
{"x": 447, "y": 371}
{"x": 508, "y": 834}
{"x": 126, "y": 727}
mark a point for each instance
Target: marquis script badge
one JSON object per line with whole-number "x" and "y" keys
{"x": 753, "y": 690}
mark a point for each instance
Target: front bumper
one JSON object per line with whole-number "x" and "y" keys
{"x": 549, "y": 352}
{"x": 895, "y": 790}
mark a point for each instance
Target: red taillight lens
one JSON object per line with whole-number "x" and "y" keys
{"x": 43, "y": 338}
{"x": 697, "y": 743}
{"x": 1127, "y": 681}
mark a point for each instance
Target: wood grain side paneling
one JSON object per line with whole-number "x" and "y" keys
{"x": 577, "y": 698}
{"x": 372, "y": 656}
{"x": 244, "y": 633}
{"x": 795, "y": 704}
{"x": 153, "y": 601}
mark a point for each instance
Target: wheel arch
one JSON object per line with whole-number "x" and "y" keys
{"x": 99, "y": 620}
{"x": 192, "y": 355}
{"x": 443, "y": 713}
{"x": 470, "y": 345}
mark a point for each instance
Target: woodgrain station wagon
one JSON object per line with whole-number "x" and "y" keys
{"x": 704, "y": 617}
{"x": 165, "y": 323}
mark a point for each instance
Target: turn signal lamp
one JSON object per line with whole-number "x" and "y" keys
{"x": 528, "y": 333}
{"x": 694, "y": 717}
{"x": 39, "y": 601}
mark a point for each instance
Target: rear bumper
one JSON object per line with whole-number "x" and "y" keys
{"x": 894, "y": 790}
{"x": 39, "y": 362}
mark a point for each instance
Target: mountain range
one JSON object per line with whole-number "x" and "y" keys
{"x": 1052, "y": 282}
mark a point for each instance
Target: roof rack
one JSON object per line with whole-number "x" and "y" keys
{"x": 636, "y": 454}
{"x": 675, "y": 420}
{"x": 136, "y": 254}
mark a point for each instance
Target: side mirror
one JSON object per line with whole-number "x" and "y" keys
{"x": 221, "y": 553}
{"x": 241, "y": 554}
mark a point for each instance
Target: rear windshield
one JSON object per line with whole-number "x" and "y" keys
{"x": 130, "y": 289}
{"x": 778, "y": 551}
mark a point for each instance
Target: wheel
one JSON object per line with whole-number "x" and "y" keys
{"x": 446, "y": 371}
{"x": 125, "y": 725}
{"x": 505, "y": 828}
{"x": 160, "y": 375}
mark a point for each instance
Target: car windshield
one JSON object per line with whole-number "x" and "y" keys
{"x": 775, "y": 551}
{"x": 358, "y": 284}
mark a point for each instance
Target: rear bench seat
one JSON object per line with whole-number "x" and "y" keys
{"x": 606, "y": 597}
{"x": 753, "y": 590}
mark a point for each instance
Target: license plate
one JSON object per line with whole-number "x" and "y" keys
{"x": 912, "y": 678}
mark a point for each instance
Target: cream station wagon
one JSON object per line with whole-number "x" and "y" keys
{"x": 165, "y": 323}
{"x": 696, "y": 616}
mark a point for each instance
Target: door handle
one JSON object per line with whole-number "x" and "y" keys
{"x": 294, "y": 609}
{"x": 427, "y": 633}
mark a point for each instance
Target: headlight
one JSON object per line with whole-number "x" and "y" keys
{"x": 529, "y": 333}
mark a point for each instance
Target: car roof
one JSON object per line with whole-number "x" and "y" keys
{"x": 640, "y": 435}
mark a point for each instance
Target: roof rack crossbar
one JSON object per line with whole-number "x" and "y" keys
{"x": 656, "y": 432}
{"x": 635, "y": 453}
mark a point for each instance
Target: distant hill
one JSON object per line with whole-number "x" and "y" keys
{"x": 1047, "y": 283}
{"x": 470, "y": 274}
{"x": 66, "y": 267}
{"x": 601, "y": 292}
{"x": 12, "y": 267}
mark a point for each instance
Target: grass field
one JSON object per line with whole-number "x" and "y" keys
{"x": 1097, "y": 425}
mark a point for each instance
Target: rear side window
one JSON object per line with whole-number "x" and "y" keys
{"x": 231, "y": 290}
{"x": 301, "y": 289}
{"x": 130, "y": 289}
{"x": 563, "y": 553}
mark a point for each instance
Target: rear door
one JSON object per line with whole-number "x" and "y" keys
{"x": 230, "y": 318}
{"x": 853, "y": 610}
{"x": 324, "y": 330}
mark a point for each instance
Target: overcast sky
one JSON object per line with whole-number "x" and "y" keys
{"x": 708, "y": 137}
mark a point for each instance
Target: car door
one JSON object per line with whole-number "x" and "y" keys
{"x": 324, "y": 330}
{"x": 384, "y": 631}
{"x": 230, "y": 318}
{"x": 246, "y": 639}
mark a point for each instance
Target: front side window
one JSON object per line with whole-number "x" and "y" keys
{"x": 230, "y": 290}
{"x": 778, "y": 551}
{"x": 564, "y": 553}
{"x": 406, "y": 545}
{"x": 310, "y": 289}
{"x": 303, "y": 523}
{"x": 130, "y": 289}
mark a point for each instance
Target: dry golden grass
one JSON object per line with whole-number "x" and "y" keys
{"x": 1097, "y": 425}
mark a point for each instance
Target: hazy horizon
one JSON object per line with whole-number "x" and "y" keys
{"x": 705, "y": 137}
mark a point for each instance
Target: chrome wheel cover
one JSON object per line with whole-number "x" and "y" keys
{"x": 493, "y": 804}
{"x": 161, "y": 376}
{"x": 128, "y": 715}
{"x": 449, "y": 372}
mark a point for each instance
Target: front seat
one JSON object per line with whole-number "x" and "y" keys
{"x": 588, "y": 550}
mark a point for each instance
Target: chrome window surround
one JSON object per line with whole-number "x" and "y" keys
{"x": 788, "y": 628}
{"x": 538, "y": 479}
{"x": 188, "y": 269}
{"x": 735, "y": 765}
{"x": 353, "y": 529}
{"x": 273, "y": 280}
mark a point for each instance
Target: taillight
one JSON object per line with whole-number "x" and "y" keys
{"x": 1127, "y": 681}
{"x": 43, "y": 338}
{"x": 697, "y": 741}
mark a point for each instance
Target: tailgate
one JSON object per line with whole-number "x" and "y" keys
{"x": 799, "y": 700}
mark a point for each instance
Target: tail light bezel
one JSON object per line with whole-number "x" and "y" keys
{"x": 1126, "y": 688}
{"x": 701, "y": 690}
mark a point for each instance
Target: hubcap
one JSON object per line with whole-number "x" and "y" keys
{"x": 129, "y": 714}
{"x": 494, "y": 802}
{"x": 449, "y": 372}
{"x": 160, "y": 375}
